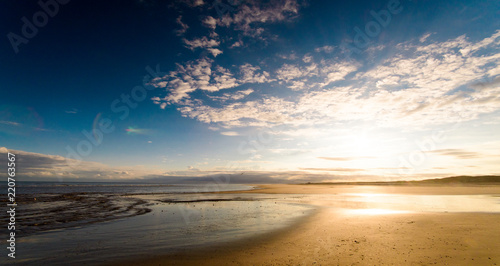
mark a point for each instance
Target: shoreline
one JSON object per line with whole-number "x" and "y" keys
{"x": 434, "y": 189}
{"x": 331, "y": 237}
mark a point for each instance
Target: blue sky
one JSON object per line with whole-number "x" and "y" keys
{"x": 285, "y": 90}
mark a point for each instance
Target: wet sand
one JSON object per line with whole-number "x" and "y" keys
{"x": 58, "y": 211}
{"x": 333, "y": 237}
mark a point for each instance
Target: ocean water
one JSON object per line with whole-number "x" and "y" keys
{"x": 34, "y": 188}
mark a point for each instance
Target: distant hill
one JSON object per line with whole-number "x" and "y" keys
{"x": 489, "y": 179}
{"x": 463, "y": 179}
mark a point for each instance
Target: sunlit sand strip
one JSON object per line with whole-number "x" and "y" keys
{"x": 373, "y": 212}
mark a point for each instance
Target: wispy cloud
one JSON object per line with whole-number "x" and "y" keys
{"x": 72, "y": 111}
{"x": 250, "y": 17}
{"x": 344, "y": 158}
{"x": 325, "y": 49}
{"x": 203, "y": 42}
{"x": 333, "y": 169}
{"x": 458, "y": 153}
{"x": 183, "y": 27}
{"x": 10, "y": 123}
{"x": 230, "y": 133}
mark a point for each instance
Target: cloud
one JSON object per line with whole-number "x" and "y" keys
{"x": 252, "y": 74}
{"x": 36, "y": 166}
{"x": 424, "y": 37}
{"x": 314, "y": 75}
{"x": 194, "y": 3}
{"x": 203, "y": 42}
{"x": 237, "y": 44}
{"x": 210, "y": 22}
{"x": 10, "y": 123}
{"x": 230, "y": 133}
{"x": 457, "y": 153}
{"x": 495, "y": 83}
{"x": 192, "y": 76}
{"x": 203, "y": 75}
{"x": 307, "y": 58}
{"x": 214, "y": 51}
{"x": 72, "y": 111}
{"x": 233, "y": 96}
{"x": 418, "y": 85}
{"x": 250, "y": 17}
{"x": 326, "y": 49}
{"x": 343, "y": 158}
{"x": 183, "y": 28}
{"x": 333, "y": 169}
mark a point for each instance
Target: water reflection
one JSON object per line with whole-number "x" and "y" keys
{"x": 426, "y": 203}
{"x": 374, "y": 203}
{"x": 167, "y": 228}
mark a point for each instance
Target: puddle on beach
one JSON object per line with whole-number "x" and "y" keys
{"x": 195, "y": 221}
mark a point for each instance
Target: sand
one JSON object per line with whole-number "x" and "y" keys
{"x": 330, "y": 237}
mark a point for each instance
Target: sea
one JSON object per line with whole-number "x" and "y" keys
{"x": 34, "y": 188}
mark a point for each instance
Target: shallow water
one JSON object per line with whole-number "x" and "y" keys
{"x": 169, "y": 227}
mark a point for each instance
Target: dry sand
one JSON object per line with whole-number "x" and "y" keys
{"x": 330, "y": 237}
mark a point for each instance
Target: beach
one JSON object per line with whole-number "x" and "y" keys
{"x": 333, "y": 236}
{"x": 278, "y": 224}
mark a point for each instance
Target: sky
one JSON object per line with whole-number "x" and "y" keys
{"x": 252, "y": 91}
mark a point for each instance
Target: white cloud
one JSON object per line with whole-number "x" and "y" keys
{"x": 424, "y": 37}
{"x": 214, "y": 51}
{"x": 250, "y": 75}
{"x": 250, "y": 16}
{"x": 233, "y": 96}
{"x": 326, "y": 72}
{"x": 203, "y": 42}
{"x": 236, "y": 44}
{"x": 230, "y": 133}
{"x": 307, "y": 58}
{"x": 194, "y": 75}
{"x": 327, "y": 49}
{"x": 210, "y": 22}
